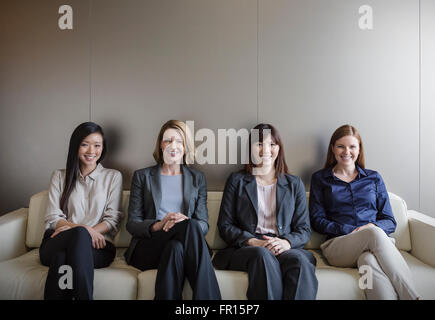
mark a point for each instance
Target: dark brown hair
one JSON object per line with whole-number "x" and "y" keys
{"x": 280, "y": 164}
{"x": 345, "y": 130}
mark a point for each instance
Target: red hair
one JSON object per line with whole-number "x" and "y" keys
{"x": 345, "y": 130}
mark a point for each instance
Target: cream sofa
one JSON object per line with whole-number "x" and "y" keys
{"x": 23, "y": 277}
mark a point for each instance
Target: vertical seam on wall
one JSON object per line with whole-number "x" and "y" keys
{"x": 90, "y": 59}
{"x": 419, "y": 105}
{"x": 258, "y": 54}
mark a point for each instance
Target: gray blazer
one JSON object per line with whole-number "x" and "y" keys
{"x": 238, "y": 213}
{"x": 146, "y": 195}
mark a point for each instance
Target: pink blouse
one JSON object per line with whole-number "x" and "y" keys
{"x": 266, "y": 209}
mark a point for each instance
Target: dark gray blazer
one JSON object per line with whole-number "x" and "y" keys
{"x": 238, "y": 213}
{"x": 145, "y": 197}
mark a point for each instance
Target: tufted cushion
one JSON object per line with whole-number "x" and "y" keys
{"x": 38, "y": 204}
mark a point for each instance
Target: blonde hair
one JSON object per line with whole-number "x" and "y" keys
{"x": 189, "y": 148}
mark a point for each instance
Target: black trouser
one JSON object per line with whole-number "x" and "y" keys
{"x": 288, "y": 276}
{"x": 73, "y": 247}
{"x": 177, "y": 253}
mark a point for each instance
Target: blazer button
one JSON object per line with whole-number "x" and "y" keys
{"x": 280, "y": 227}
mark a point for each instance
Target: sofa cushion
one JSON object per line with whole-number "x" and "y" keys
{"x": 343, "y": 281}
{"x": 213, "y": 205}
{"x": 402, "y": 235}
{"x": 13, "y": 234}
{"x": 35, "y": 223}
{"x": 146, "y": 282}
{"x": 423, "y": 276}
{"x": 24, "y": 278}
{"x": 232, "y": 284}
{"x": 123, "y": 237}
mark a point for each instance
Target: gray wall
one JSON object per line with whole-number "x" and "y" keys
{"x": 304, "y": 66}
{"x": 427, "y": 109}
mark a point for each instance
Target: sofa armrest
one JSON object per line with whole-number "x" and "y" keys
{"x": 422, "y": 229}
{"x": 13, "y": 234}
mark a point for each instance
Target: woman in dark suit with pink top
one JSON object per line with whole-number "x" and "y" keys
{"x": 264, "y": 220}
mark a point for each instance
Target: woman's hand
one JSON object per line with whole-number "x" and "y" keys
{"x": 254, "y": 242}
{"x": 98, "y": 241}
{"x": 59, "y": 230}
{"x": 273, "y": 244}
{"x": 368, "y": 225}
{"x": 276, "y": 245}
{"x": 168, "y": 221}
{"x": 171, "y": 219}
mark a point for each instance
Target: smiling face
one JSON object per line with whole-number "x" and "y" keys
{"x": 172, "y": 146}
{"x": 346, "y": 151}
{"x": 90, "y": 150}
{"x": 266, "y": 152}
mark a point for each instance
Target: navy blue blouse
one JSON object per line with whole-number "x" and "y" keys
{"x": 337, "y": 207}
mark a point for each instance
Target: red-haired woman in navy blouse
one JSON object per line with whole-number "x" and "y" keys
{"x": 350, "y": 205}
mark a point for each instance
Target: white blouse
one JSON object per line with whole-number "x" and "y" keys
{"x": 94, "y": 199}
{"x": 266, "y": 209}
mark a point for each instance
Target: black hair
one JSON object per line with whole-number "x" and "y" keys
{"x": 73, "y": 162}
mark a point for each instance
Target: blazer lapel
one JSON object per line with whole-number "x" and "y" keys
{"x": 187, "y": 188}
{"x": 281, "y": 191}
{"x": 156, "y": 187}
{"x": 251, "y": 190}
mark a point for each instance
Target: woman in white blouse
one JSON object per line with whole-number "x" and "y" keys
{"x": 82, "y": 216}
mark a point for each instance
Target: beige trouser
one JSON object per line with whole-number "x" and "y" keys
{"x": 372, "y": 247}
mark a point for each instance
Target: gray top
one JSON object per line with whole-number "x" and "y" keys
{"x": 172, "y": 195}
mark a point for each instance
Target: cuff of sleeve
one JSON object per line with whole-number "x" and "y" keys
{"x": 52, "y": 225}
{"x": 242, "y": 239}
{"x": 288, "y": 238}
{"x": 110, "y": 226}
{"x": 204, "y": 227}
{"x": 290, "y": 243}
{"x": 383, "y": 225}
{"x": 151, "y": 225}
{"x": 347, "y": 228}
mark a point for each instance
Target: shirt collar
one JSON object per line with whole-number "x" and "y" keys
{"x": 328, "y": 172}
{"x": 94, "y": 174}
{"x": 361, "y": 171}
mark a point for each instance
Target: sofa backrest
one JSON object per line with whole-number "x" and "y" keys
{"x": 38, "y": 204}
{"x": 36, "y": 225}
